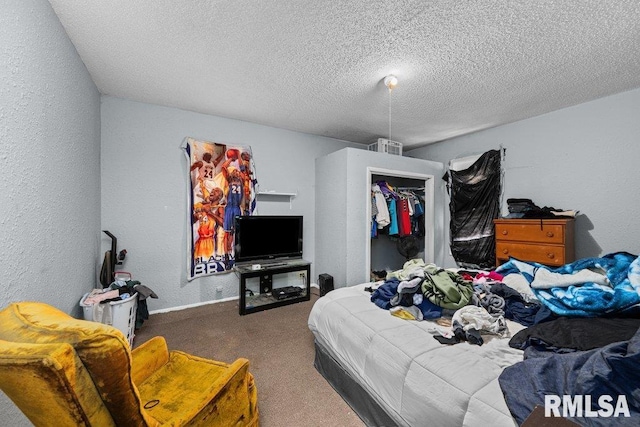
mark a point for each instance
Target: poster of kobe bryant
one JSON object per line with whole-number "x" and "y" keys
{"x": 221, "y": 185}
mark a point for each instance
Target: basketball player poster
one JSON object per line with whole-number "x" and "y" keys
{"x": 221, "y": 185}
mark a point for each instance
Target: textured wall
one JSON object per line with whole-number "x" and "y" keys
{"x": 332, "y": 194}
{"x": 342, "y": 208}
{"x": 49, "y": 161}
{"x": 584, "y": 157}
{"x": 144, "y": 184}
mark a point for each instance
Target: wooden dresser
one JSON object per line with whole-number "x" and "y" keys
{"x": 547, "y": 241}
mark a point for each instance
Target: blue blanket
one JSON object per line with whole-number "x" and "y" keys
{"x": 589, "y": 299}
{"x": 611, "y": 370}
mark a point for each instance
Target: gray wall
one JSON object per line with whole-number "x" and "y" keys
{"x": 49, "y": 161}
{"x": 342, "y": 197}
{"x": 58, "y": 193}
{"x": 144, "y": 190}
{"x": 583, "y": 157}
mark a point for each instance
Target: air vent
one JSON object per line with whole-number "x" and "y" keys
{"x": 386, "y": 146}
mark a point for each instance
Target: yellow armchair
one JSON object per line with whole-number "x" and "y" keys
{"x": 76, "y": 372}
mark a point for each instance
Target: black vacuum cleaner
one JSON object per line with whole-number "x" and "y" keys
{"x": 111, "y": 259}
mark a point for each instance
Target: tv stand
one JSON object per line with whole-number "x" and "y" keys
{"x": 258, "y": 294}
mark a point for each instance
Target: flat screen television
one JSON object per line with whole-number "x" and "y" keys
{"x": 267, "y": 237}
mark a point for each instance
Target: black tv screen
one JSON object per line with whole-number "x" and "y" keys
{"x": 267, "y": 237}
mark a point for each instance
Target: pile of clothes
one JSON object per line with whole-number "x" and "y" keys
{"x": 582, "y": 336}
{"x": 425, "y": 291}
{"x": 525, "y": 208}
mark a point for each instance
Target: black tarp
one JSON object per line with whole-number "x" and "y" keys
{"x": 474, "y": 203}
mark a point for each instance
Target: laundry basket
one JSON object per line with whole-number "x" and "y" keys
{"x": 119, "y": 314}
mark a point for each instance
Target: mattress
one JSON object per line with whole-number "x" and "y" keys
{"x": 414, "y": 378}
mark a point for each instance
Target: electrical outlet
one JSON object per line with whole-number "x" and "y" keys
{"x": 303, "y": 275}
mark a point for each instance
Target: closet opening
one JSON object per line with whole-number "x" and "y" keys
{"x": 399, "y": 189}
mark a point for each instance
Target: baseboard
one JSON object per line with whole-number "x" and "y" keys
{"x": 197, "y": 304}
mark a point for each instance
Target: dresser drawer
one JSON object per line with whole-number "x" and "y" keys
{"x": 544, "y": 254}
{"x": 546, "y": 241}
{"x": 545, "y": 233}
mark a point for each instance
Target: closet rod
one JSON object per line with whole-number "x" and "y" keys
{"x": 410, "y": 188}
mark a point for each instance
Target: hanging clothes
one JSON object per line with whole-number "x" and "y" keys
{"x": 405, "y": 209}
{"x": 403, "y": 218}
{"x": 393, "y": 215}
{"x": 382, "y": 215}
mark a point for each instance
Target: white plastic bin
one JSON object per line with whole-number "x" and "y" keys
{"x": 119, "y": 314}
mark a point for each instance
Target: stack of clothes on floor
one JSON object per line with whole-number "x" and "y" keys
{"x": 582, "y": 334}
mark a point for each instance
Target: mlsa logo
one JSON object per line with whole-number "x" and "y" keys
{"x": 579, "y": 406}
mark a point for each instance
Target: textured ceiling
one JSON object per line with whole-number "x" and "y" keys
{"x": 317, "y": 66}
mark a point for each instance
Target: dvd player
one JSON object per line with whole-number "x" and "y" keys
{"x": 286, "y": 292}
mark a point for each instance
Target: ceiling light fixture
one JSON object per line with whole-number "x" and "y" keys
{"x": 390, "y": 82}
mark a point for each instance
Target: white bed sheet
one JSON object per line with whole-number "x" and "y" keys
{"x": 417, "y": 380}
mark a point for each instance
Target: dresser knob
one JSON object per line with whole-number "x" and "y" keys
{"x": 551, "y": 256}
{"x": 505, "y": 251}
{"x": 505, "y": 232}
{"x": 549, "y": 233}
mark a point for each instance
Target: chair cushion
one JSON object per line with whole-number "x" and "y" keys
{"x": 103, "y": 349}
{"x": 176, "y": 395}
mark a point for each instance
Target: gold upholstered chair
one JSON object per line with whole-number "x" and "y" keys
{"x": 67, "y": 372}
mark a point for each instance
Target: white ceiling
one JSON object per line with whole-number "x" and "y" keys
{"x": 317, "y": 66}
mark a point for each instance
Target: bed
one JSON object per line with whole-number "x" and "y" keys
{"x": 392, "y": 371}
{"x": 583, "y": 341}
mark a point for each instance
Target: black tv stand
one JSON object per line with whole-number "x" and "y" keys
{"x": 274, "y": 265}
{"x": 258, "y": 295}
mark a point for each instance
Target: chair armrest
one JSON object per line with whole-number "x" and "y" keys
{"x": 148, "y": 358}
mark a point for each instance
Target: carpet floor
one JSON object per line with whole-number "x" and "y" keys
{"x": 280, "y": 350}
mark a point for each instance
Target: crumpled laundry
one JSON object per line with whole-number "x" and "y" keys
{"x": 409, "y": 286}
{"x": 483, "y": 297}
{"x": 408, "y": 313}
{"x": 144, "y": 292}
{"x": 446, "y": 288}
{"x": 487, "y": 276}
{"x": 410, "y": 269}
{"x": 471, "y": 335}
{"x": 472, "y": 317}
{"x": 97, "y": 297}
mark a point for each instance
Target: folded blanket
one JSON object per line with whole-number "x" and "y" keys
{"x": 545, "y": 279}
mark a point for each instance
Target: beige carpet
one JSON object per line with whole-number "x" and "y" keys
{"x": 280, "y": 349}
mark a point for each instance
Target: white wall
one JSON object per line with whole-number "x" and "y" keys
{"x": 49, "y": 160}
{"x": 144, "y": 183}
{"x": 583, "y": 157}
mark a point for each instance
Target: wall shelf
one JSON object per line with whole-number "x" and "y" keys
{"x": 277, "y": 195}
